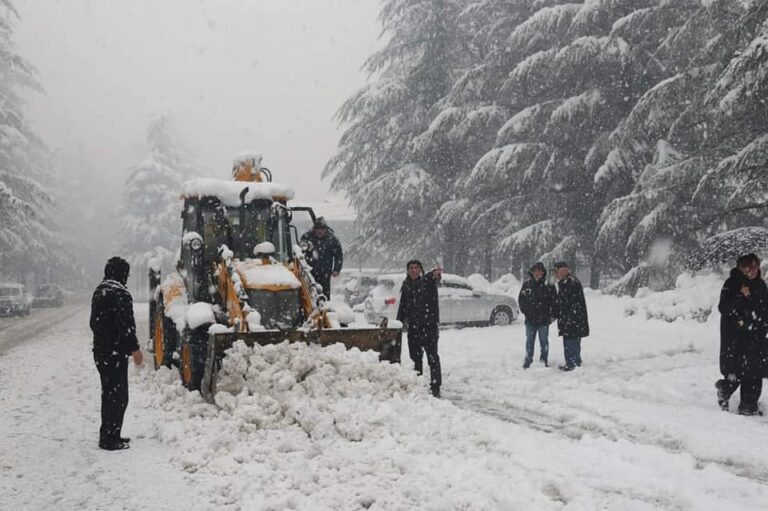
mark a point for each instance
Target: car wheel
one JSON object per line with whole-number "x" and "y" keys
{"x": 501, "y": 316}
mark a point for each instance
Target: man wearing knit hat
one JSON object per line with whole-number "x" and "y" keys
{"x": 537, "y": 299}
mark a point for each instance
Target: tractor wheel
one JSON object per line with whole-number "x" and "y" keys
{"x": 194, "y": 347}
{"x": 164, "y": 338}
{"x": 502, "y": 316}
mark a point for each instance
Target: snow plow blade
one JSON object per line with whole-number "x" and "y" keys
{"x": 385, "y": 341}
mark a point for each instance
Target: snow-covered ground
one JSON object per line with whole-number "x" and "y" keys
{"x": 637, "y": 427}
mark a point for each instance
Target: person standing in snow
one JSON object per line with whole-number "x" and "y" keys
{"x": 571, "y": 313}
{"x": 537, "y": 299}
{"x": 743, "y": 328}
{"x": 326, "y": 256}
{"x": 419, "y": 311}
{"x": 114, "y": 340}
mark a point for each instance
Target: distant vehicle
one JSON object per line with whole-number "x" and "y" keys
{"x": 357, "y": 287}
{"x": 460, "y": 302}
{"x": 48, "y": 295}
{"x": 13, "y": 300}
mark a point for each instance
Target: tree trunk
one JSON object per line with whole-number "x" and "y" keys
{"x": 488, "y": 272}
{"x": 594, "y": 276}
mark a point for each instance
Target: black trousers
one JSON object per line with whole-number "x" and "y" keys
{"x": 421, "y": 339}
{"x": 751, "y": 388}
{"x": 113, "y": 371}
{"x": 325, "y": 281}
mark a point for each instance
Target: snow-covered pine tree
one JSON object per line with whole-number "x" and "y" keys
{"x": 737, "y": 183}
{"x": 486, "y": 197}
{"x": 665, "y": 146}
{"x": 27, "y": 230}
{"x": 566, "y": 89}
{"x": 149, "y": 213}
{"x": 394, "y": 186}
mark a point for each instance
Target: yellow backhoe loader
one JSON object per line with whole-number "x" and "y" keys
{"x": 242, "y": 275}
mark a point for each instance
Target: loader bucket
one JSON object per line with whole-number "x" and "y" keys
{"x": 385, "y": 341}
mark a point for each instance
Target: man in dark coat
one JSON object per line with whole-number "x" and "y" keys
{"x": 114, "y": 340}
{"x": 571, "y": 313}
{"x": 326, "y": 257}
{"x": 419, "y": 310}
{"x": 537, "y": 299}
{"x": 743, "y": 327}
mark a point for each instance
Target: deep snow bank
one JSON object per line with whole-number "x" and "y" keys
{"x": 694, "y": 297}
{"x": 278, "y": 410}
{"x": 326, "y": 391}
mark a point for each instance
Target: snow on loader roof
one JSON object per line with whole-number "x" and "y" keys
{"x": 228, "y": 192}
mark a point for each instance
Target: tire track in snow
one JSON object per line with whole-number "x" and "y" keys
{"x": 575, "y": 422}
{"x": 15, "y": 331}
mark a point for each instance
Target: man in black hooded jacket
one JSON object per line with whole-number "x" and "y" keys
{"x": 326, "y": 257}
{"x": 537, "y": 301}
{"x": 743, "y": 327}
{"x": 419, "y": 310}
{"x": 114, "y": 340}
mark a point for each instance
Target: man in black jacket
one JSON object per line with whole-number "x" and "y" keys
{"x": 419, "y": 310}
{"x": 114, "y": 339}
{"x": 326, "y": 256}
{"x": 743, "y": 327}
{"x": 537, "y": 299}
{"x": 571, "y": 313}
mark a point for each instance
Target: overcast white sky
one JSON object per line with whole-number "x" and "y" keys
{"x": 263, "y": 75}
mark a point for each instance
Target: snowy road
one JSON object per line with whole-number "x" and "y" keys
{"x": 636, "y": 428}
{"x": 49, "y": 397}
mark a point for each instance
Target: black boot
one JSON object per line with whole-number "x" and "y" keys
{"x": 722, "y": 398}
{"x": 113, "y": 445}
{"x": 435, "y": 391}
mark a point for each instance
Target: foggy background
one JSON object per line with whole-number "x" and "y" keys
{"x": 235, "y": 75}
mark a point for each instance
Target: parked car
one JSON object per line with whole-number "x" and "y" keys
{"x": 460, "y": 302}
{"x": 48, "y": 295}
{"x": 13, "y": 300}
{"x": 357, "y": 287}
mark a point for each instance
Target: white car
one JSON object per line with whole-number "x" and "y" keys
{"x": 460, "y": 302}
{"x": 13, "y": 300}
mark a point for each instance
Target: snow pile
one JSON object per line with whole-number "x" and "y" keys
{"x": 292, "y": 422}
{"x": 252, "y": 157}
{"x": 228, "y": 192}
{"x": 253, "y": 319}
{"x": 175, "y": 302}
{"x": 506, "y": 285}
{"x": 341, "y": 312}
{"x": 479, "y": 282}
{"x": 199, "y": 314}
{"x": 256, "y": 275}
{"x": 694, "y": 297}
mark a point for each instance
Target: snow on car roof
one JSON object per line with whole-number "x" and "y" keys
{"x": 228, "y": 192}
{"x": 450, "y": 278}
{"x": 391, "y": 278}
